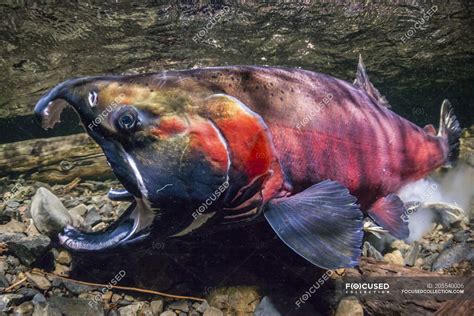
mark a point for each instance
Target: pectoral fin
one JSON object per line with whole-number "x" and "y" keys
{"x": 323, "y": 224}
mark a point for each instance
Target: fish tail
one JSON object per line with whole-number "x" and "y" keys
{"x": 450, "y": 130}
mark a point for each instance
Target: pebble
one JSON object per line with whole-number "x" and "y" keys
{"x": 78, "y": 288}
{"x": 107, "y": 296}
{"x": 7, "y": 300}
{"x": 13, "y": 226}
{"x": 64, "y": 257}
{"x": 26, "y": 248}
{"x": 92, "y": 218}
{"x": 157, "y": 306}
{"x": 116, "y": 298}
{"x": 180, "y": 305}
{"x": 25, "y": 308}
{"x": 79, "y": 210}
{"x": 39, "y": 281}
{"x": 349, "y": 306}
{"x": 130, "y": 310}
{"x": 412, "y": 254}
{"x": 394, "y": 257}
{"x": 62, "y": 270}
{"x": 369, "y": 251}
{"x": 212, "y": 311}
{"x": 202, "y": 307}
{"x": 99, "y": 227}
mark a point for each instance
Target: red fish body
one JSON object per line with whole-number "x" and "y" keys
{"x": 313, "y": 153}
{"x": 325, "y": 128}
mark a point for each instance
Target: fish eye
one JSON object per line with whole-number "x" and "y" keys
{"x": 127, "y": 121}
{"x": 93, "y": 98}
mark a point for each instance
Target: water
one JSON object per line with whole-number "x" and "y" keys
{"x": 45, "y": 42}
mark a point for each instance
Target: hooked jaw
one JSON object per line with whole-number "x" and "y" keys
{"x": 134, "y": 225}
{"x": 124, "y": 232}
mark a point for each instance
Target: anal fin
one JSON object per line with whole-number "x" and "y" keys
{"x": 388, "y": 212}
{"x": 323, "y": 224}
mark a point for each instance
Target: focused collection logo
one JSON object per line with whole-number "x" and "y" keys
{"x": 367, "y": 288}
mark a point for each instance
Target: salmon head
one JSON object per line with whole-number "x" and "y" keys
{"x": 173, "y": 143}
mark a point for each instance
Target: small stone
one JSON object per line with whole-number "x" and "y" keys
{"x": 168, "y": 313}
{"x": 48, "y": 213}
{"x": 13, "y": 226}
{"x": 241, "y": 299}
{"x": 77, "y": 288}
{"x": 79, "y": 210}
{"x": 39, "y": 281}
{"x": 73, "y": 306}
{"x": 394, "y": 257}
{"x": 116, "y": 298}
{"x": 107, "y": 209}
{"x": 369, "y": 251}
{"x": 99, "y": 227}
{"x": 92, "y": 218}
{"x": 419, "y": 263}
{"x": 399, "y": 245}
{"x": 202, "y": 307}
{"x": 31, "y": 230}
{"x": 146, "y": 311}
{"x": 129, "y": 298}
{"x": 107, "y": 296}
{"x": 349, "y": 306}
{"x": 3, "y": 264}
{"x": 212, "y": 311}
{"x": 25, "y": 248}
{"x": 25, "y": 308}
{"x": 130, "y": 310}
{"x": 64, "y": 257}
{"x": 62, "y": 270}
{"x": 180, "y": 305}
{"x": 156, "y": 307}
{"x": 3, "y": 281}
{"x": 412, "y": 254}
{"x": 7, "y": 300}
{"x": 39, "y": 299}
{"x": 28, "y": 293}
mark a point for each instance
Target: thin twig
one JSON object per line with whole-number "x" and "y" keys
{"x": 122, "y": 287}
{"x": 11, "y": 287}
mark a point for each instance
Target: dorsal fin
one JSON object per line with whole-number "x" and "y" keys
{"x": 362, "y": 81}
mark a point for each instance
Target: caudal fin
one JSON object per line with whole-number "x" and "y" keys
{"x": 450, "y": 129}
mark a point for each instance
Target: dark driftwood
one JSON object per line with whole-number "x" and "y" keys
{"x": 55, "y": 160}
{"x": 371, "y": 268}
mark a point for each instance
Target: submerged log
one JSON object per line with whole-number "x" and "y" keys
{"x": 55, "y": 160}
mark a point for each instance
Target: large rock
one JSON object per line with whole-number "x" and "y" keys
{"x": 48, "y": 212}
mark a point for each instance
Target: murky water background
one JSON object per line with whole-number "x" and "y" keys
{"x": 417, "y": 53}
